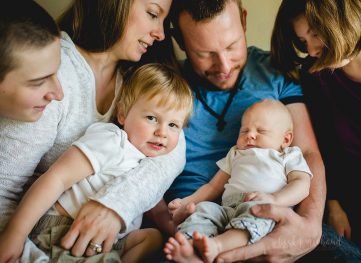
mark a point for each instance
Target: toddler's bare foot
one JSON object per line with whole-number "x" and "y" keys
{"x": 180, "y": 250}
{"x": 206, "y": 246}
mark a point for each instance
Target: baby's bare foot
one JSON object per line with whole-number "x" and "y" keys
{"x": 206, "y": 246}
{"x": 180, "y": 250}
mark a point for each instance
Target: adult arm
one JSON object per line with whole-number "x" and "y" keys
{"x": 162, "y": 218}
{"x": 295, "y": 234}
{"x": 123, "y": 199}
{"x": 331, "y": 153}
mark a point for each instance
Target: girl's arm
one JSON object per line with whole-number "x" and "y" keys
{"x": 338, "y": 219}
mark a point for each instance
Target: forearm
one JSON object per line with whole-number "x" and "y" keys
{"x": 38, "y": 199}
{"x": 67, "y": 170}
{"x": 161, "y": 217}
{"x": 313, "y": 206}
{"x": 144, "y": 186}
{"x": 205, "y": 193}
{"x": 296, "y": 190}
{"x": 209, "y": 191}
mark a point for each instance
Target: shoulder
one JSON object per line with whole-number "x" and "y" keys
{"x": 293, "y": 150}
{"x": 258, "y": 63}
{"x": 104, "y": 127}
{"x": 70, "y": 53}
{"x": 257, "y": 54}
{"x": 66, "y": 41}
{"x": 259, "y": 72}
{"x": 102, "y": 135}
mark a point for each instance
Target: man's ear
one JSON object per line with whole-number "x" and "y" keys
{"x": 120, "y": 114}
{"x": 244, "y": 19}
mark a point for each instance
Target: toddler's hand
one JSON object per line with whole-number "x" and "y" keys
{"x": 11, "y": 247}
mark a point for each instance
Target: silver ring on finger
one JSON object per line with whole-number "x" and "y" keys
{"x": 98, "y": 248}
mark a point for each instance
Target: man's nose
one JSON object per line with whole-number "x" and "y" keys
{"x": 55, "y": 90}
{"x": 224, "y": 63}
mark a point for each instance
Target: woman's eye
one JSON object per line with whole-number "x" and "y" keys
{"x": 153, "y": 15}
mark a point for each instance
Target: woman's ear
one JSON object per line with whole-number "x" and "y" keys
{"x": 120, "y": 114}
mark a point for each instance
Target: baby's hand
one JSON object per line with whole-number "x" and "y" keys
{"x": 180, "y": 210}
{"x": 11, "y": 247}
{"x": 174, "y": 205}
{"x": 258, "y": 196}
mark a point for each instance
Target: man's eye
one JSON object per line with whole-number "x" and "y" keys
{"x": 37, "y": 83}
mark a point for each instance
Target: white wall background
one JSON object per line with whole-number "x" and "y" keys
{"x": 54, "y": 7}
{"x": 260, "y": 19}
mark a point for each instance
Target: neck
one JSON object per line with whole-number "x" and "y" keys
{"x": 353, "y": 69}
{"x": 104, "y": 68}
{"x": 100, "y": 62}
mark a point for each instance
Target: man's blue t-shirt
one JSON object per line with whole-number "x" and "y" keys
{"x": 205, "y": 143}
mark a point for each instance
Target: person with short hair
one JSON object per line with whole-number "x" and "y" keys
{"x": 29, "y": 60}
{"x": 98, "y": 38}
{"x": 226, "y": 78}
{"x": 154, "y": 105}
